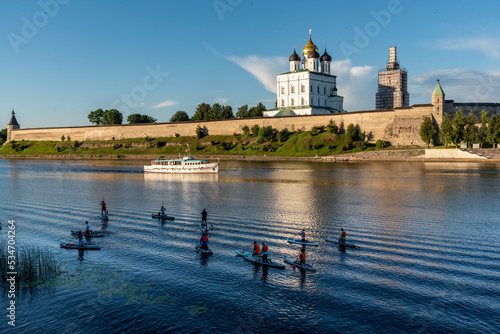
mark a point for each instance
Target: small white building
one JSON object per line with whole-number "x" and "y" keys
{"x": 309, "y": 88}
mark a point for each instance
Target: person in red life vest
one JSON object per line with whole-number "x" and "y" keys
{"x": 343, "y": 236}
{"x": 256, "y": 249}
{"x": 302, "y": 255}
{"x": 265, "y": 252}
{"x": 303, "y": 235}
{"x": 103, "y": 207}
{"x": 204, "y": 241}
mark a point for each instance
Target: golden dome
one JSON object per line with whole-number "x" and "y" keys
{"x": 309, "y": 46}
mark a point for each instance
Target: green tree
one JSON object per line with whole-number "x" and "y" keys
{"x": 138, "y": 118}
{"x": 200, "y": 132}
{"x": 428, "y": 130}
{"x": 483, "y": 131}
{"x": 494, "y": 130}
{"x": 227, "y": 112}
{"x": 255, "y": 129}
{"x": 257, "y": 111}
{"x": 471, "y": 131}
{"x": 242, "y": 111}
{"x": 267, "y": 133}
{"x": 202, "y": 112}
{"x": 332, "y": 127}
{"x": 459, "y": 122}
{"x": 3, "y": 135}
{"x": 246, "y": 130}
{"x": 112, "y": 116}
{"x": 215, "y": 111}
{"x": 96, "y": 116}
{"x": 351, "y": 133}
{"x": 446, "y": 133}
{"x": 180, "y": 116}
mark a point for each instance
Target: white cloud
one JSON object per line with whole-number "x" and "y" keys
{"x": 461, "y": 85}
{"x": 357, "y": 84}
{"x": 489, "y": 46}
{"x": 221, "y": 100}
{"x": 264, "y": 69}
{"x": 167, "y": 103}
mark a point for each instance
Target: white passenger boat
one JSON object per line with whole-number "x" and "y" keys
{"x": 186, "y": 165}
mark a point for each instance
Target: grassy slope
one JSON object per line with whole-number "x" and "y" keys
{"x": 302, "y": 144}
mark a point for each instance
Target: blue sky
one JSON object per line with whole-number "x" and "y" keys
{"x": 61, "y": 59}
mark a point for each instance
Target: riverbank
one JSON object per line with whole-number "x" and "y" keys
{"x": 417, "y": 154}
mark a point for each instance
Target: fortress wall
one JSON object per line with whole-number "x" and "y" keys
{"x": 399, "y": 126}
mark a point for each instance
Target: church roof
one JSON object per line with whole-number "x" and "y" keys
{"x": 310, "y": 46}
{"x": 294, "y": 56}
{"x": 326, "y": 57}
{"x": 13, "y": 120}
{"x": 313, "y": 54}
{"x": 438, "y": 90}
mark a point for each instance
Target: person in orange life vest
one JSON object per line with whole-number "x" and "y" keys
{"x": 343, "y": 236}
{"x": 256, "y": 249}
{"x": 303, "y": 235}
{"x": 103, "y": 207}
{"x": 265, "y": 252}
{"x": 302, "y": 255}
{"x": 204, "y": 241}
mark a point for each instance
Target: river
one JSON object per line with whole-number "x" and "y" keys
{"x": 427, "y": 258}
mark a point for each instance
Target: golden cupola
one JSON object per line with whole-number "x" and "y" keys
{"x": 310, "y": 46}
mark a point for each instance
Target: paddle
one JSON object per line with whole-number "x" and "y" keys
{"x": 295, "y": 262}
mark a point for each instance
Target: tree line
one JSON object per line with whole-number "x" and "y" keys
{"x": 203, "y": 112}
{"x": 457, "y": 129}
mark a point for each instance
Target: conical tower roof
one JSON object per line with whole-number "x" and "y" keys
{"x": 13, "y": 120}
{"x": 438, "y": 90}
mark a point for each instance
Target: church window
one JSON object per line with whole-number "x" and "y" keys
{"x": 318, "y": 89}
{"x": 282, "y": 90}
{"x": 282, "y": 102}
{"x": 311, "y": 101}
{"x": 303, "y": 88}
{"x": 293, "y": 102}
{"x": 311, "y": 88}
{"x": 324, "y": 89}
{"x": 318, "y": 103}
{"x": 302, "y": 101}
{"x": 293, "y": 89}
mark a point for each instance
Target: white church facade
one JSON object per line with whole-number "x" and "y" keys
{"x": 308, "y": 88}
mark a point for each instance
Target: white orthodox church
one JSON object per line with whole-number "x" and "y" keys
{"x": 309, "y": 88}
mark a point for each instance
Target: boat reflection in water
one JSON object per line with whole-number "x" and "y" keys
{"x": 181, "y": 177}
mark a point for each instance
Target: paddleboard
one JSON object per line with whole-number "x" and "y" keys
{"x": 165, "y": 217}
{"x": 204, "y": 251}
{"x": 258, "y": 260}
{"x": 94, "y": 234}
{"x": 299, "y": 242}
{"x": 76, "y": 246}
{"x": 103, "y": 217}
{"x": 241, "y": 253}
{"x": 298, "y": 264}
{"x": 347, "y": 244}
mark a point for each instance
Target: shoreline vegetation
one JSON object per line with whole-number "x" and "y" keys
{"x": 320, "y": 144}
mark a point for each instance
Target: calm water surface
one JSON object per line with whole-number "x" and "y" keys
{"x": 427, "y": 259}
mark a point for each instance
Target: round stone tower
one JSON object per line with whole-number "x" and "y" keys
{"x": 13, "y": 125}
